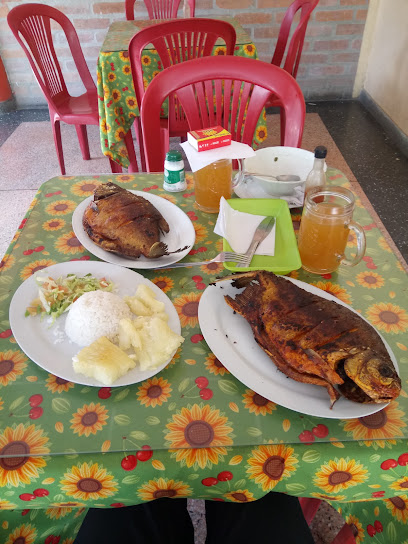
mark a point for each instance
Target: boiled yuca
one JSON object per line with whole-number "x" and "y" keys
{"x": 151, "y": 338}
{"x": 103, "y": 361}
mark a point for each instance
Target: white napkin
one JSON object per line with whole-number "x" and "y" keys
{"x": 250, "y": 188}
{"x": 238, "y": 228}
{"x": 198, "y": 160}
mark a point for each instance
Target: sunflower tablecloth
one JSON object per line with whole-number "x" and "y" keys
{"x": 65, "y": 447}
{"x": 116, "y": 96}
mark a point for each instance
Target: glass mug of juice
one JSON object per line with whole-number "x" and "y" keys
{"x": 214, "y": 181}
{"x": 324, "y": 230}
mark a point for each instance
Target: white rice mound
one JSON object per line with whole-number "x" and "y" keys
{"x": 93, "y": 315}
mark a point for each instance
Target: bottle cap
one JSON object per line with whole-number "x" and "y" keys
{"x": 320, "y": 152}
{"x": 173, "y": 156}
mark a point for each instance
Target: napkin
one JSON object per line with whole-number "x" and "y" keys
{"x": 249, "y": 188}
{"x": 198, "y": 160}
{"x": 238, "y": 228}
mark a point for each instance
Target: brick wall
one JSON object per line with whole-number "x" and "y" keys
{"x": 327, "y": 67}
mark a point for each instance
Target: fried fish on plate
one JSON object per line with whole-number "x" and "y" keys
{"x": 122, "y": 222}
{"x": 314, "y": 340}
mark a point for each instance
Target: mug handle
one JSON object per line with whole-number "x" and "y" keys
{"x": 239, "y": 175}
{"x": 361, "y": 245}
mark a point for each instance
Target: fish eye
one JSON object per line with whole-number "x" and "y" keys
{"x": 385, "y": 371}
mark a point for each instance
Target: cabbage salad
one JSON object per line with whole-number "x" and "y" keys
{"x": 55, "y": 296}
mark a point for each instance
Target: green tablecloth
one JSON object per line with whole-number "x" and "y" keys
{"x": 65, "y": 447}
{"x": 116, "y": 96}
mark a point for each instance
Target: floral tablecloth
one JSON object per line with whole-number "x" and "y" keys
{"x": 116, "y": 95}
{"x": 65, "y": 447}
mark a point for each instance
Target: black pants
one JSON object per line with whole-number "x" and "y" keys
{"x": 274, "y": 519}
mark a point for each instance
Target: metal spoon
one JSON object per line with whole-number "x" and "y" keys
{"x": 281, "y": 177}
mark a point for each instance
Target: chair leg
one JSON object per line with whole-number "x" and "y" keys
{"x": 115, "y": 167}
{"x": 56, "y": 130}
{"x": 131, "y": 152}
{"x": 139, "y": 137}
{"x": 282, "y": 125}
{"x": 83, "y": 141}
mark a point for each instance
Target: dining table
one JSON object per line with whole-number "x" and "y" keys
{"x": 117, "y": 102}
{"x": 192, "y": 430}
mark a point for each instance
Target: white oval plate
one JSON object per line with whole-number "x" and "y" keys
{"x": 231, "y": 339}
{"x": 37, "y": 338}
{"x": 181, "y": 234}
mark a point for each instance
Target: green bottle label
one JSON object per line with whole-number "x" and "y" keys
{"x": 173, "y": 176}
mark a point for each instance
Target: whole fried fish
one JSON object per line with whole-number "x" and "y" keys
{"x": 314, "y": 340}
{"x": 122, "y": 222}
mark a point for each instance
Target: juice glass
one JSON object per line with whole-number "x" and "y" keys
{"x": 324, "y": 230}
{"x": 211, "y": 183}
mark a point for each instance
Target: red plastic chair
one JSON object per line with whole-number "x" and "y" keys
{"x": 295, "y": 46}
{"x": 31, "y": 25}
{"x": 175, "y": 42}
{"x": 159, "y": 9}
{"x": 227, "y": 91}
{"x": 310, "y": 507}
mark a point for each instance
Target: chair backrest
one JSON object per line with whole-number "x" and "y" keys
{"x": 295, "y": 47}
{"x": 227, "y": 91}
{"x": 159, "y": 9}
{"x": 175, "y": 42}
{"x": 31, "y": 25}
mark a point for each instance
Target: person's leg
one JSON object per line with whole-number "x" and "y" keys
{"x": 274, "y": 519}
{"x": 162, "y": 521}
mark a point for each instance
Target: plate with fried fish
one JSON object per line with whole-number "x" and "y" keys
{"x": 298, "y": 346}
{"x": 135, "y": 229}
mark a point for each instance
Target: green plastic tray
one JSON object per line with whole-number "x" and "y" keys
{"x": 286, "y": 256}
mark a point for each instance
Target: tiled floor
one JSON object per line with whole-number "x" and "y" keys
{"x": 380, "y": 168}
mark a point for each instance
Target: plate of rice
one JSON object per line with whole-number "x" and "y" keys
{"x": 52, "y": 344}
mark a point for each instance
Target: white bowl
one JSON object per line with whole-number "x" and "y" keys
{"x": 276, "y": 161}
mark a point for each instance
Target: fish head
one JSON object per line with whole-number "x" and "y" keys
{"x": 375, "y": 376}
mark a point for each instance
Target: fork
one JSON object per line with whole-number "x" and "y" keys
{"x": 224, "y": 256}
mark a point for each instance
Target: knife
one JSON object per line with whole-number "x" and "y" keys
{"x": 262, "y": 231}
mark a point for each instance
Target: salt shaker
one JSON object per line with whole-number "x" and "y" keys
{"x": 174, "y": 176}
{"x": 317, "y": 176}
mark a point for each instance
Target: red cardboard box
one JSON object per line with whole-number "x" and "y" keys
{"x": 209, "y": 138}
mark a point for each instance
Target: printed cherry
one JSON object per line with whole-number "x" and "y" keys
{"x": 370, "y": 530}
{"x": 306, "y": 436}
{"x": 197, "y": 338}
{"x": 104, "y": 392}
{"x": 208, "y": 482}
{"x": 206, "y": 394}
{"x": 27, "y": 252}
{"x": 39, "y": 248}
{"x": 27, "y": 497}
{"x": 36, "y": 412}
{"x": 197, "y": 278}
{"x": 201, "y": 382}
{"x": 117, "y": 505}
{"x": 321, "y": 431}
{"x": 6, "y": 334}
{"x": 145, "y": 453}
{"x": 200, "y": 286}
{"x": 403, "y": 460}
{"x": 225, "y": 476}
{"x": 377, "y": 494}
{"x": 25, "y": 511}
{"x": 41, "y": 492}
{"x": 129, "y": 462}
{"x": 389, "y": 463}
{"x": 378, "y": 526}
{"x": 35, "y": 400}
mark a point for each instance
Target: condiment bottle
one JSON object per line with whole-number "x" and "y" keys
{"x": 317, "y": 176}
{"x": 174, "y": 176}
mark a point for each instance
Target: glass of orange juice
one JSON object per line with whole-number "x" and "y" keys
{"x": 211, "y": 183}
{"x": 324, "y": 230}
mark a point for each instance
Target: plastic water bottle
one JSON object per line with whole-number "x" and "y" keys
{"x": 174, "y": 175}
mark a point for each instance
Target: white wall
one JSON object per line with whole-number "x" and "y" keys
{"x": 383, "y": 65}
